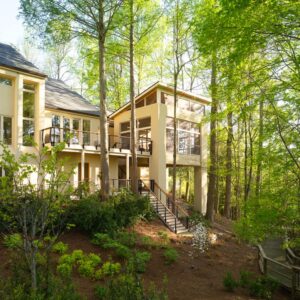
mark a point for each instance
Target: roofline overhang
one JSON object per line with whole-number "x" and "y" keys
{"x": 202, "y": 99}
{"x": 24, "y": 71}
{"x": 72, "y": 111}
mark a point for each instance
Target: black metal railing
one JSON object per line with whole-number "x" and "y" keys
{"x": 55, "y": 135}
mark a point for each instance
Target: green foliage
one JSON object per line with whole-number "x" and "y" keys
{"x": 123, "y": 210}
{"x": 263, "y": 288}
{"x": 164, "y": 238}
{"x": 148, "y": 242}
{"x": 110, "y": 268}
{"x": 65, "y": 269}
{"x": 126, "y": 238}
{"x": 245, "y": 279}
{"x": 171, "y": 256}
{"x": 101, "y": 238}
{"x": 128, "y": 287}
{"x": 13, "y": 241}
{"x": 138, "y": 261}
{"x": 60, "y": 248}
{"x": 229, "y": 282}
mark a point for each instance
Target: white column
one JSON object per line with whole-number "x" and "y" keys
{"x": 18, "y": 121}
{"x": 82, "y": 165}
{"x": 127, "y": 166}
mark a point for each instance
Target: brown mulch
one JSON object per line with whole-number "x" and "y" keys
{"x": 195, "y": 276}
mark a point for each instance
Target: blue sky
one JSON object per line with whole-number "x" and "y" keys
{"x": 11, "y": 31}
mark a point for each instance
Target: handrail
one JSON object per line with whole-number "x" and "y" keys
{"x": 177, "y": 210}
{"x": 166, "y": 209}
{"x": 294, "y": 277}
{"x": 292, "y": 257}
{"x": 54, "y": 135}
{"x": 169, "y": 196}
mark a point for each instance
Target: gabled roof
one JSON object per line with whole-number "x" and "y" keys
{"x": 12, "y": 59}
{"x": 165, "y": 87}
{"x": 60, "y": 96}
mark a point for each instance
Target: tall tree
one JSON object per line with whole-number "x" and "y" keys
{"x": 75, "y": 18}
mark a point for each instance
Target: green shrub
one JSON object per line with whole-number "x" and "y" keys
{"x": 109, "y": 269}
{"x": 13, "y": 241}
{"x": 122, "y": 210}
{"x": 100, "y": 239}
{"x": 148, "y": 242}
{"x": 128, "y": 287}
{"x": 64, "y": 269}
{"x": 229, "y": 282}
{"x": 77, "y": 255}
{"x": 66, "y": 259}
{"x": 94, "y": 259}
{"x": 86, "y": 269}
{"x": 170, "y": 255}
{"x": 138, "y": 261}
{"x": 122, "y": 251}
{"x": 245, "y": 279}
{"x": 126, "y": 238}
{"x": 164, "y": 239}
{"x": 60, "y": 248}
{"x": 263, "y": 287}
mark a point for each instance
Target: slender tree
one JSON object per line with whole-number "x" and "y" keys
{"x": 89, "y": 19}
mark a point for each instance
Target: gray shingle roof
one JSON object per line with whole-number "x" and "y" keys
{"x": 60, "y": 96}
{"x": 11, "y": 58}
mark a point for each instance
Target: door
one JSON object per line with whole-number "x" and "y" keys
{"x": 86, "y": 172}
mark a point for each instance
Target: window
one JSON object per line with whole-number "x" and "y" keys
{"x": 75, "y": 135}
{"x": 6, "y": 130}
{"x": 184, "y": 104}
{"x": 188, "y": 137}
{"x": 56, "y": 121}
{"x": 124, "y": 126}
{"x": 151, "y": 99}
{"x": 5, "y": 81}
{"x": 86, "y": 126}
{"x": 66, "y": 129}
{"x": 28, "y": 114}
{"x": 145, "y": 122}
{"x": 140, "y": 103}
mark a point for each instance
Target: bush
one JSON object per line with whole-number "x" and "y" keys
{"x": 101, "y": 238}
{"x": 91, "y": 215}
{"x": 263, "y": 287}
{"x": 229, "y": 282}
{"x": 170, "y": 255}
{"x": 108, "y": 269}
{"x": 138, "y": 262}
{"x": 128, "y": 287}
{"x": 245, "y": 279}
{"x": 64, "y": 269}
{"x": 122, "y": 251}
{"x": 126, "y": 238}
{"x": 13, "y": 241}
{"x": 60, "y": 248}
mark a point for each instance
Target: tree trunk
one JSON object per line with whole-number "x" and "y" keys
{"x": 174, "y": 142}
{"x": 228, "y": 166}
{"x": 103, "y": 111}
{"x": 212, "y": 176}
{"x": 134, "y": 179}
{"x": 260, "y": 146}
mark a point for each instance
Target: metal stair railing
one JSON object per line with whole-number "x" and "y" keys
{"x": 174, "y": 209}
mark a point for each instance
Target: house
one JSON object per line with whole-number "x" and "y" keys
{"x": 33, "y": 106}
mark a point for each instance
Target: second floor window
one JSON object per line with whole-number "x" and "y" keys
{"x": 6, "y": 130}
{"x": 86, "y": 126}
{"x": 28, "y": 114}
{"x": 187, "y": 139}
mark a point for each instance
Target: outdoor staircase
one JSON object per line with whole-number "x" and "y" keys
{"x": 171, "y": 219}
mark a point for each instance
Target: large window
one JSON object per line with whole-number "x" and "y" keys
{"x": 86, "y": 126}
{"x": 188, "y": 136}
{"x": 6, "y": 130}
{"x": 183, "y": 104}
{"x": 28, "y": 114}
{"x": 143, "y": 127}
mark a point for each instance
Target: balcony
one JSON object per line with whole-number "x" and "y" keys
{"x": 90, "y": 141}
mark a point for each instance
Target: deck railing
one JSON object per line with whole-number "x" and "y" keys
{"x": 285, "y": 274}
{"x": 55, "y": 135}
{"x": 167, "y": 200}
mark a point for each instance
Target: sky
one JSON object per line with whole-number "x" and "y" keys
{"x": 11, "y": 31}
